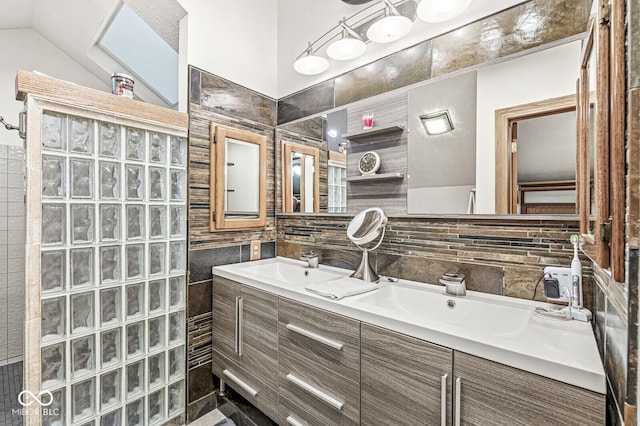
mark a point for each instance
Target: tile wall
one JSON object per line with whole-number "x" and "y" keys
{"x": 12, "y": 239}
{"x": 214, "y": 99}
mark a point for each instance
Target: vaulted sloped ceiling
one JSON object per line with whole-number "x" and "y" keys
{"x": 75, "y": 26}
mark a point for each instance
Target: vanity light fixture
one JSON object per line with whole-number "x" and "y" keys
{"x": 310, "y": 64}
{"x": 437, "y": 123}
{"x": 441, "y": 10}
{"x": 391, "y": 27}
{"x": 382, "y": 21}
{"x": 350, "y": 46}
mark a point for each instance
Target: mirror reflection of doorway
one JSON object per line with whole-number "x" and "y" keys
{"x": 543, "y": 164}
{"x": 536, "y": 158}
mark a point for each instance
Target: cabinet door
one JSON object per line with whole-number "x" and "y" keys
{"x": 403, "y": 379}
{"x": 496, "y": 394}
{"x": 226, "y": 296}
{"x": 258, "y": 341}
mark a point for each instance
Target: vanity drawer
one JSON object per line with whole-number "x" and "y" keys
{"x": 289, "y": 414}
{"x": 246, "y": 384}
{"x": 329, "y": 339}
{"x": 326, "y": 395}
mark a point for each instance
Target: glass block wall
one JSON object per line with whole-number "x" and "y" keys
{"x": 113, "y": 261}
{"x": 337, "y": 185}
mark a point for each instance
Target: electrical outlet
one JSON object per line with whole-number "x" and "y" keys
{"x": 255, "y": 250}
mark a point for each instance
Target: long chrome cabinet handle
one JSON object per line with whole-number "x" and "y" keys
{"x": 251, "y": 391}
{"x": 237, "y": 322}
{"x": 313, "y": 336}
{"x": 240, "y": 325}
{"x": 316, "y": 392}
{"x": 443, "y": 400}
{"x": 293, "y": 422}
{"x": 458, "y": 386}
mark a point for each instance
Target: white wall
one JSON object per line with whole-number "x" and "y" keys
{"x": 547, "y": 74}
{"x": 236, "y": 40}
{"x": 28, "y": 50}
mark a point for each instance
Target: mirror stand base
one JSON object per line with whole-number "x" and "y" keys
{"x": 365, "y": 272}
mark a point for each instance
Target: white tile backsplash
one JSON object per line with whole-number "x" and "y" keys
{"x": 15, "y": 153}
{"x": 12, "y": 236}
{"x": 15, "y": 251}
{"x": 14, "y": 181}
{"x": 16, "y": 265}
{"x": 15, "y": 210}
{"x": 15, "y": 195}
{"x": 16, "y": 237}
{"x": 15, "y": 167}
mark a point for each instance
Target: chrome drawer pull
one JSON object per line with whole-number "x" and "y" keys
{"x": 237, "y": 325}
{"x": 240, "y": 383}
{"x": 443, "y": 400}
{"x": 458, "y": 386}
{"x": 313, "y": 336}
{"x": 293, "y": 422}
{"x": 240, "y": 325}
{"x": 316, "y": 392}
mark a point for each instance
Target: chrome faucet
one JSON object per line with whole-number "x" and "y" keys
{"x": 311, "y": 258}
{"x": 454, "y": 282}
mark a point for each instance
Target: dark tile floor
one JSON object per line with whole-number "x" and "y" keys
{"x": 10, "y": 387}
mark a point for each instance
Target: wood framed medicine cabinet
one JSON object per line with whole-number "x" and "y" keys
{"x": 238, "y": 176}
{"x": 600, "y": 162}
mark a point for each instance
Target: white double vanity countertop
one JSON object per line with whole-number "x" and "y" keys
{"x": 497, "y": 328}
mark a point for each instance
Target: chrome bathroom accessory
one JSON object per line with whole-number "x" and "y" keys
{"x": 454, "y": 283}
{"x": 311, "y": 258}
{"x": 363, "y": 229}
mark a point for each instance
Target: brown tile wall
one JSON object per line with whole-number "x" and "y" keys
{"x": 213, "y": 99}
{"x": 501, "y": 256}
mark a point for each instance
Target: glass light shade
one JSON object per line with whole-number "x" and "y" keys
{"x": 441, "y": 10}
{"x": 346, "y": 48}
{"x": 438, "y": 123}
{"x": 311, "y": 64}
{"x": 388, "y": 29}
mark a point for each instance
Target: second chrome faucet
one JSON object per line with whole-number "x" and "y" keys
{"x": 454, "y": 283}
{"x": 311, "y": 258}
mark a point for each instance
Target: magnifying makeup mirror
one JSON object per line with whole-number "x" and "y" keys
{"x": 364, "y": 228}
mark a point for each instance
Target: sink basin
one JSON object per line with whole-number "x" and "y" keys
{"x": 293, "y": 274}
{"x": 469, "y": 313}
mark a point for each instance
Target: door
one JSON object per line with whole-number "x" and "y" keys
{"x": 402, "y": 371}
{"x": 488, "y": 393}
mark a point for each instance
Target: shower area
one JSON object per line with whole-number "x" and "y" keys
{"x": 105, "y": 263}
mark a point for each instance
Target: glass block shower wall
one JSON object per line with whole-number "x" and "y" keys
{"x": 113, "y": 261}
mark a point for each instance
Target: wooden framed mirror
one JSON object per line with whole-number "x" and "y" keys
{"x": 601, "y": 122}
{"x": 300, "y": 178}
{"x": 238, "y": 178}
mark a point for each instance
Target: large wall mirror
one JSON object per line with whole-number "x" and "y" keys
{"x": 238, "y": 179}
{"x": 466, "y": 171}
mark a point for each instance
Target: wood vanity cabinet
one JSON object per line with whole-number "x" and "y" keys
{"x": 319, "y": 369}
{"x": 245, "y": 342}
{"x": 302, "y": 365}
{"x": 405, "y": 381}
{"x": 487, "y": 392}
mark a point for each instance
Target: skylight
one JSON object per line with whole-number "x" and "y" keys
{"x": 133, "y": 43}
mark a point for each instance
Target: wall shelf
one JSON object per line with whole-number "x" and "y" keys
{"x": 375, "y": 131}
{"x": 381, "y": 176}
